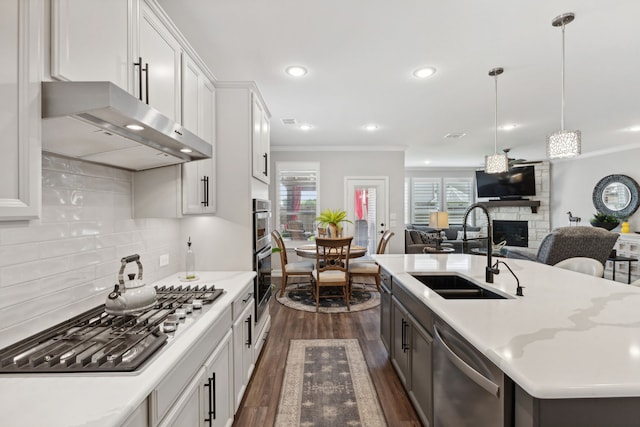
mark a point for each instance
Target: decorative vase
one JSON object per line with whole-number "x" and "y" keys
{"x": 625, "y": 227}
{"x": 333, "y": 231}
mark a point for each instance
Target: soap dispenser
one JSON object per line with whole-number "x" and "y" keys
{"x": 190, "y": 262}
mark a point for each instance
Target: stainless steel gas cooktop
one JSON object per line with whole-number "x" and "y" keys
{"x": 95, "y": 341}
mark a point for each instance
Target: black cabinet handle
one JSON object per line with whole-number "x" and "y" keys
{"x": 248, "y": 322}
{"x": 266, "y": 163}
{"x": 248, "y": 298}
{"x": 211, "y": 387}
{"x": 205, "y": 200}
{"x": 405, "y": 345}
{"x": 139, "y": 65}
{"x": 146, "y": 84}
{"x": 144, "y": 69}
{"x": 212, "y": 412}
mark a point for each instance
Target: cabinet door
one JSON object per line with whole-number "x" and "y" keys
{"x": 242, "y": 352}
{"x": 217, "y": 408}
{"x": 400, "y": 336}
{"x": 187, "y": 411}
{"x": 260, "y": 131}
{"x": 160, "y": 53}
{"x": 421, "y": 382}
{"x": 77, "y": 54}
{"x": 21, "y": 162}
{"x": 198, "y": 115}
{"x": 385, "y": 317}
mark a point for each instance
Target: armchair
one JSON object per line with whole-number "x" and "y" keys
{"x": 569, "y": 242}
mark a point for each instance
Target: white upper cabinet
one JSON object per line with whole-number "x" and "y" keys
{"x": 198, "y": 113}
{"x": 97, "y": 40}
{"x": 78, "y": 53}
{"x": 260, "y": 143}
{"x": 20, "y": 163}
{"x": 159, "y": 52}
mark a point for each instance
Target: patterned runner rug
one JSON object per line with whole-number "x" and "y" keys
{"x": 326, "y": 383}
{"x": 300, "y": 298}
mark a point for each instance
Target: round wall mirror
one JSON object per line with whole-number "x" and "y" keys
{"x": 616, "y": 195}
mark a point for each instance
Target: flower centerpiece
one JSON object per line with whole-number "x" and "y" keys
{"x": 608, "y": 222}
{"x": 332, "y": 219}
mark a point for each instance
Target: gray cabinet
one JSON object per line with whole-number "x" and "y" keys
{"x": 420, "y": 363}
{"x": 400, "y": 341}
{"x": 385, "y": 310}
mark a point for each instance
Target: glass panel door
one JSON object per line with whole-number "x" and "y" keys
{"x": 367, "y": 209}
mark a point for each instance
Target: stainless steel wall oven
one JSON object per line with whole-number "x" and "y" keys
{"x": 262, "y": 254}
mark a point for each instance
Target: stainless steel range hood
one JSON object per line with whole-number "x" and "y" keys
{"x": 88, "y": 120}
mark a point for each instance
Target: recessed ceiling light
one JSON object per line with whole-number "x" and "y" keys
{"x": 511, "y": 126}
{"x": 371, "y": 127}
{"x": 186, "y": 150}
{"x": 305, "y": 127}
{"x": 426, "y": 162}
{"x": 296, "y": 71}
{"x": 424, "y": 72}
{"x": 455, "y": 135}
{"x": 634, "y": 129}
{"x": 134, "y": 127}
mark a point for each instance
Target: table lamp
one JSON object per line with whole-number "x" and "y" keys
{"x": 439, "y": 221}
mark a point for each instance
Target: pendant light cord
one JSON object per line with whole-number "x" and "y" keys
{"x": 562, "y": 78}
{"x": 495, "y": 136}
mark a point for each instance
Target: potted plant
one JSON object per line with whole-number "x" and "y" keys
{"x": 332, "y": 220}
{"x": 608, "y": 222}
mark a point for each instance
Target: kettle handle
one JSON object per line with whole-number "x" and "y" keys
{"x": 126, "y": 260}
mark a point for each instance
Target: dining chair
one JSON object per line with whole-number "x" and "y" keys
{"x": 582, "y": 265}
{"x": 302, "y": 269}
{"x": 369, "y": 268}
{"x": 332, "y": 266}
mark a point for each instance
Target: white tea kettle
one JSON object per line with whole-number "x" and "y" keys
{"x": 132, "y": 296}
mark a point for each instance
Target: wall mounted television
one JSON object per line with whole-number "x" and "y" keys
{"x": 513, "y": 185}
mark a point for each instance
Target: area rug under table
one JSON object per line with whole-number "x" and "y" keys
{"x": 326, "y": 383}
{"x": 300, "y": 298}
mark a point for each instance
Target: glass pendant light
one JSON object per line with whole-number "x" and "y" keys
{"x": 563, "y": 143}
{"x": 496, "y": 163}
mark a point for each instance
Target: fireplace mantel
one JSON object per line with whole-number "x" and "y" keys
{"x": 533, "y": 204}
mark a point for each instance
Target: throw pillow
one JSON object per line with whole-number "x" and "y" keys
{"x": 429, "y": 237}
{"x": 470, "y": 235}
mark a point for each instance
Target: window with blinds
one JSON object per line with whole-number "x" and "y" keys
{"x": 425, "y": 198}
{"x": 458, "y": 197}
{"x": 426, "y": 195}
{"x": 297, "y": 200}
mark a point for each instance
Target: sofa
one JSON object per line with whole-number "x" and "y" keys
{"x": 570, "y": 242}
{"x": 417, "y": 237}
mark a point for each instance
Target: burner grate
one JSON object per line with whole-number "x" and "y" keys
{"x": 95, "y": 341}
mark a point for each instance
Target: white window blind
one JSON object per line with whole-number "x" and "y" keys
{"x": 458, "y": 197}
{"x": 425, "y": 198}
{"x": 297, "y": 201}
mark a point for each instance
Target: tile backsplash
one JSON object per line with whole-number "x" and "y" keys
{"x": 67, "y": 262}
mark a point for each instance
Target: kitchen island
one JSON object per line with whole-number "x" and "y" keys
{"x": 572, "y": 342}
{"x": 115, "y": 398}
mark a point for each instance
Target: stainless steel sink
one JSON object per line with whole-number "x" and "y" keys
{"x": 456, "y": 287}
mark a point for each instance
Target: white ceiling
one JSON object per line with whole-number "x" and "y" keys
{"x": 361, "y": 55}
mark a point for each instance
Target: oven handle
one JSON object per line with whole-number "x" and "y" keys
{"x": 471, "y": 373}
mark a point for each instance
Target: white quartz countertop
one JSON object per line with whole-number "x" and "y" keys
{"x": 570, "y": 336}
{"x": 107, "y": 399}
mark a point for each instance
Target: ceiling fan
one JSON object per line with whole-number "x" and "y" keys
{"x": 518, "y": 162}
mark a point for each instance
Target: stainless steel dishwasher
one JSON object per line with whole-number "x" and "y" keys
{"x": 468, "y": 390}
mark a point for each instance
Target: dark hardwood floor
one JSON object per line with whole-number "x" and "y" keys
{"x": 260, "y": 402}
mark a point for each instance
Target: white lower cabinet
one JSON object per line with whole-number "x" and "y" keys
{"x": 183, "y": 397}
{"x": 243, "y": 360}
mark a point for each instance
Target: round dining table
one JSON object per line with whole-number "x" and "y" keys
{"x": 309, "y": 251}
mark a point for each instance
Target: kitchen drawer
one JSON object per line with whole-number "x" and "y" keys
{"x": 168, "y": 391}
{"x": 243, "y": 300}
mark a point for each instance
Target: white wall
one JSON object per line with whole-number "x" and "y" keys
{"x": 572, "y": 183}
{"x": 334, "y": 166}
{"x": 68, "y": 261}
